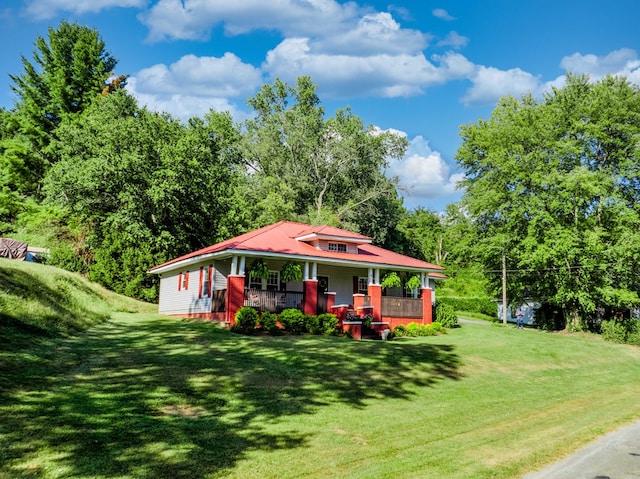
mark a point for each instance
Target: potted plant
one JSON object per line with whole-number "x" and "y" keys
{"x": 259, "y": 269}
{"x": 413, "y": 284}
{"x": 391, "y": 280}
{"x": 290, "y": 272}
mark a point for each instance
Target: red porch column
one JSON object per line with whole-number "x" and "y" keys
{"x": 331, "y": 301}
{"x": 375, "y": 293}
{"x": 235, "y": 297}
{"x": 310, "y": 296}
{"x": 358, "y": 301}
{"x": 427, "y": 308}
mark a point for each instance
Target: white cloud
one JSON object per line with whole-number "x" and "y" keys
{"x": 442, "y": 14}
{"x": 385, "y": 75}
{"x": 225, "y": 76}
{"x": 423, "y": 174}
{"x": 622, "y": 62}
{"x": 453, "y": 39}
{"x": 489, "y": 84}
{"x": 193, "y": 19}
{"x": 378, "y": 33}
{"x": 43, "y": 9}
{"x": 193, "y": 85}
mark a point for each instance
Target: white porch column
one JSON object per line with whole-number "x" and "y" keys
{"x": 306, "y": 270}
{"x": 370, "y": 276}
{"x": 241, "y": 270}
{"x": 234, "y": 266}
{"x": 314, "y": 270}
{"x": 377, "y": 276}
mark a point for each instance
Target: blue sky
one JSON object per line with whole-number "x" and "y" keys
{"x": 421, "y": 68}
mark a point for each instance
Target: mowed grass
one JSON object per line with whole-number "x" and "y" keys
{"x": 143, "y": 396}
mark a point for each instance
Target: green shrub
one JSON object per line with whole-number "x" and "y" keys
{"x": 446, "y": 315}
{"x": 328, "y": 323}
{"x": 246, "y": 320}
{"x": 621, "y": 331}
{"x": 269, "y": 322}
{"x": 438, "y": 327}
{"x": 312, "y": 324}
{"x": 415, "y": 330}
{"x": 293, "y": 320}
{"x": 400, "y": 330}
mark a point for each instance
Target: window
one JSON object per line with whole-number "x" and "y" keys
{"x": 363, "y": 285}
{"x": 205, "y": 279}
{"x": 273, "y": 282}
{"x": 185, "y": 280}
{"x": 338, "y": 247}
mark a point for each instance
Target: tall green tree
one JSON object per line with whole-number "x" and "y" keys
{"x": 69, "y": 69}
{"x": 554, "y": 184}
{"x": 145, "y": 186}
{"x": 332, "y": 168}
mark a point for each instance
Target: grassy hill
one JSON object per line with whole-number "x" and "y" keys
{"x": 38, "y": 304}
{"x": 49, "y": 301}
{"x": 138, "y": 395}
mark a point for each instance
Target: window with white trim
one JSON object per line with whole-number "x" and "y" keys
{"x": 272, "y": 283}
{"x": 363, "y": 285}
{"x": 338, "y": 247}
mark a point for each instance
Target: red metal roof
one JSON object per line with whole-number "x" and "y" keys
{"x": 279, "y": 239}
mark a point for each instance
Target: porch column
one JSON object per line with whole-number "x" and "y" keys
{"x": 235, "y": 297}
{"x": 427, "y": 306}
{"x": 375, "y": 293}
{"x": 310, "y": 296}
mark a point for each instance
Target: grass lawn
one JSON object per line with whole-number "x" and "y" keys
{"x": 144, "y": 396}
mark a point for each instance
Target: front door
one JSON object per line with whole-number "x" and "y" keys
{"x": 323, "y": 287}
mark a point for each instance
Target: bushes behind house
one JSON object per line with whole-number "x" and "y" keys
{"x": 621, "y": 331}
{"x": 474, "y": 305}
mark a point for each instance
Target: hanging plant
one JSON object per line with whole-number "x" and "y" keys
{"x": 291, "y": 272}
{"x": 413, "y": 284}
{"x": 259, "y": 269}
{"x": 391, "y": 280}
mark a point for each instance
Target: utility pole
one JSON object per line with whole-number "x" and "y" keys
{"x": 504, "y": 288}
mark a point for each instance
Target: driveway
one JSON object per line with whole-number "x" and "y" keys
{"x": 613, "y": 456}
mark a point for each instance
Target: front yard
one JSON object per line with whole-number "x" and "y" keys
{"x": 144, "y": 396}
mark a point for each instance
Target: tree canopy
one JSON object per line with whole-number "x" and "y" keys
{"x": 555, "y": 185}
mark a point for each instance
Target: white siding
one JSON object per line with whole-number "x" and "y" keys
{"x": 341, "y": 281}
{"x": 174, "y": 301}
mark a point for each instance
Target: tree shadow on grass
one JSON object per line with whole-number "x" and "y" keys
{"x": 146, "y": 397}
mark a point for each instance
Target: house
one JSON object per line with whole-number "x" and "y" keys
{"x": 341, "y": 274}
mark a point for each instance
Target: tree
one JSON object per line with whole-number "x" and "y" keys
{"x": 332, "y": 169}
{"x": 69, "y": 70}
{"x": 145, "y": 186}
{"x": 554, "y": 184}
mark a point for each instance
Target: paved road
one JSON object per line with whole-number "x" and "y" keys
{"x": 613, "y": 456}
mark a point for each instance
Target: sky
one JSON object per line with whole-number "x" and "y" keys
{"x": 420, "y": 68}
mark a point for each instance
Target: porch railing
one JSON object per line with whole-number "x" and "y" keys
{"x": 273, "y": 301}
{"x": 401, "y": 307}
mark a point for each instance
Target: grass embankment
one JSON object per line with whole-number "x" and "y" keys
{"x": 38, "y": 304}
{"x": 142, "y": 396}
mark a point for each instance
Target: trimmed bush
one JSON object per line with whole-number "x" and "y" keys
{"x": 269, "y": 322}
{"x": 415, "y": 329}
{"x": 293, "y": 320}
{"x": 328, "y": 323}
{"x": 312, "y": 324}
{"x": 446, "y": 315}
{"x": 246, "y": 320}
